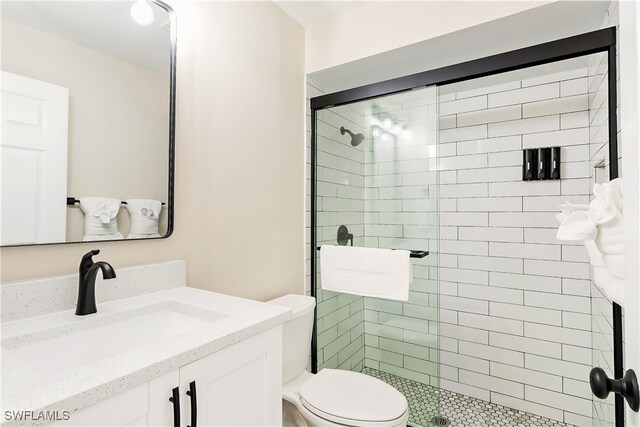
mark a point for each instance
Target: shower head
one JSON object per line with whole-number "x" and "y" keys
{"x": 356, "y": 138}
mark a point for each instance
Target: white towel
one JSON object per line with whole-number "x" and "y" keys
{"x": 600, "y": 227}
{"x": 370, "y": 272}
{"x": 100, "y": 221}
{"x": 575, "y": 223}
{"x": 144, "y": 218}
{"x": 607, "y": 213}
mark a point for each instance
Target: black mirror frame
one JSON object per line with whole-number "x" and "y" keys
{"x": 172, "y": 141}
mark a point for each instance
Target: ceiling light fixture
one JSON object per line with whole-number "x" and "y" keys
{"x": 141, "y": 12}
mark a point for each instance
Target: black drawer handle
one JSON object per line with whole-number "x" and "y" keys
{"x": 194, "y": 404}
{"x": 175, "y": 399}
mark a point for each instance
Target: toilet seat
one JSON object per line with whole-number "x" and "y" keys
{"x": 352, "y": 398}
{"x": 324, "y": 419}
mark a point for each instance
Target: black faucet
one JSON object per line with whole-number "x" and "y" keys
{"x": 87, "y": 283}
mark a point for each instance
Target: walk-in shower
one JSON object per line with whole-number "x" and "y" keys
{"x": 502, "y": 324}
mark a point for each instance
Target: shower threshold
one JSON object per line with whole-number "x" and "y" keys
{"x": 458, "y": 409}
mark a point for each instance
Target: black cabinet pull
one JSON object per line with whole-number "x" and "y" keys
{"x": 194, "y": 404}
{"x": 627, "y": 386}
{"x": 175, "y": 399}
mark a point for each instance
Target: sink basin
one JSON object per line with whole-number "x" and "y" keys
{"x": 95, "y": 338}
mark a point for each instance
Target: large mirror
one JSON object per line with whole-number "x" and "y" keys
{"x": 87, "y": 121}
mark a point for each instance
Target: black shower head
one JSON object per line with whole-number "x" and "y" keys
{"x": 356, "y": 139}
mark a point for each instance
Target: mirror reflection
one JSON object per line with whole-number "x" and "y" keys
{"x": 85, "y": 121}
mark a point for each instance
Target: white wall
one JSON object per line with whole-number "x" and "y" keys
{"x": 630, "y": 118}
{"x": 382, "y": 26}
{"x": 118, "y": 118}
{"x": 239, "y": 174}
{"x": 549, "y": 22}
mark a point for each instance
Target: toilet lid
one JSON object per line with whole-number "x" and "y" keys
{"x": 353, "y": 396}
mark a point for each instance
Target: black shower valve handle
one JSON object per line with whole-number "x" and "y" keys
{"x": 627, "y": 386}
{"x": 343, "y": 236}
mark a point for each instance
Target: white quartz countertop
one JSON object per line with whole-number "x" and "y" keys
{"x": 24, "y": 388}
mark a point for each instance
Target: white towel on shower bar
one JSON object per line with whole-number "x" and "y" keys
{"x": 370, "y": 272}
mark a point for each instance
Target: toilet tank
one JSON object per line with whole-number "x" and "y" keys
{"x": 296, "y": 334}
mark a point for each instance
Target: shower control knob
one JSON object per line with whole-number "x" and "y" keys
{"x": 627, "y": 386}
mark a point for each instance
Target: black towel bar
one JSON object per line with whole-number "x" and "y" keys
{"x": 72, "y": 201}
{"x": 412, "y": 254}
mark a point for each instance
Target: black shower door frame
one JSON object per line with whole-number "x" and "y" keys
{"x": 603, "y": 40}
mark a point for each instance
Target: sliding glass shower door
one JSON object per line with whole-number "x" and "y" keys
{"x": 504, "y": 319}
{"x": 376, "y": 186}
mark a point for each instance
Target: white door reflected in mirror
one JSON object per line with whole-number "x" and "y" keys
{"x": 33, "y": 153}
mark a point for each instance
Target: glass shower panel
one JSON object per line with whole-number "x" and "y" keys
{"x": 339, "y": 201}
{"x": 603, "y": 411}
{"x": 521, "y": 322}
{"x": 376, "y": 175}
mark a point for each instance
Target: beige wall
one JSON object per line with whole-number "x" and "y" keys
{"x": 239, "y": 172}
{"x": 118, "y": 118}
{"x": 381, "y": 26}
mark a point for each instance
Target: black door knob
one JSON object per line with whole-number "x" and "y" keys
{"x": 627, "y": 387}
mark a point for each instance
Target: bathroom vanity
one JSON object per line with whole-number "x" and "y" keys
{"x": 173, "y": 356}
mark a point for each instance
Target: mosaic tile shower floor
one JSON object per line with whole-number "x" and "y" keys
{"x": 460, "y": 410}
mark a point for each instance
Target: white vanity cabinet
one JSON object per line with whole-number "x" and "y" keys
{"x": 240, "y": 385}
{"x": 129, "y": 408}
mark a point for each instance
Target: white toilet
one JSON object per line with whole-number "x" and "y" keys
{"x": 332, "y": 397}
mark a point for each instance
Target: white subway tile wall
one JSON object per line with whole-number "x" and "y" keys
{"x": 514, "y": 304}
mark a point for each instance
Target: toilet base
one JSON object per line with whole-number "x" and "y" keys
{"x": 291, "y": 417}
